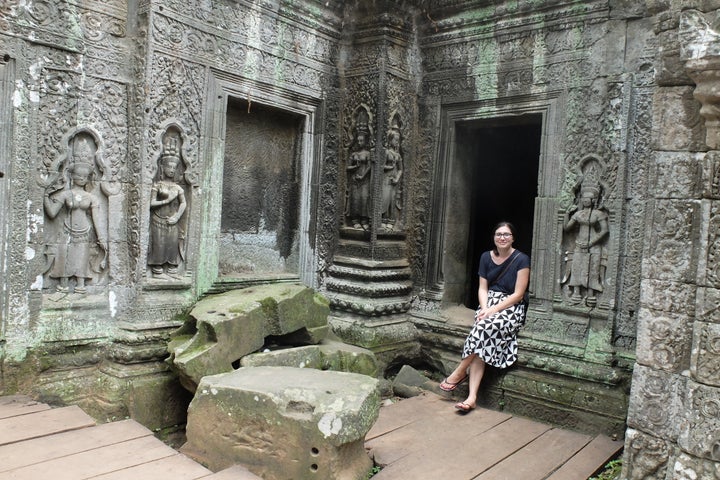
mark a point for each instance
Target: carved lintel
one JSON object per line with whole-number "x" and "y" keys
{"x": 700, "y": 48}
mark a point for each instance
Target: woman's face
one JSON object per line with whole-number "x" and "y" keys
{"x": 169, "y": 167}
{"x": 503, "y": 237}
{"x": 80, "y": 176}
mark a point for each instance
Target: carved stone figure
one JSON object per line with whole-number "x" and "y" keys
{"x": 167, "y": 207}
{"x": 76, "y": 255}
{"x": 359, "y": 170}
{"x": 587, "y": 223}
{"x": 393, "y": 170}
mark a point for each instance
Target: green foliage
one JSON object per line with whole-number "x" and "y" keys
{"x": 611, "y": 471}
{"x": 373, "y": 471}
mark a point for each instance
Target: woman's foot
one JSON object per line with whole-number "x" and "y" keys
{"x": 464, "y": 407}
{"x": 449, "y": 386}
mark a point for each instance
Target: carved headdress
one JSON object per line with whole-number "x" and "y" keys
{"x": 83, "y": 153}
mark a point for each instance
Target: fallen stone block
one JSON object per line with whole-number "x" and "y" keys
{"x": 284, "y": 422}
{"x": 329, "y": 355}
{"x": 224, "y": 328}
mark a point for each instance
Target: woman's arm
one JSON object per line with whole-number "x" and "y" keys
{"x": 521, "y": 284}
{"x": 483, "y": 293}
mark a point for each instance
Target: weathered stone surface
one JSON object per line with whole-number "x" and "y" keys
{"x": 645, "y": 456}
{"x": 224, "y": 328}
{"x": 700, "y": 430}
{"x": 410, "y": 383}
{"x": 330, "y": 355}
{"x": 678, "y": 125}
{"x": 658, "y": 402}
{"x": 283, "y": 422}
{"x": 665, "y": 341}
{"x": 705, "y": 362}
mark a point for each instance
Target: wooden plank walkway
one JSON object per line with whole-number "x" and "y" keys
{"x": 424, "y": 438}
{"x": 37, "y": 441}
{"x": 420, "y": 438}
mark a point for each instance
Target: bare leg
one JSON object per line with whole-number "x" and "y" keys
{"x": 477, "y": 370}
{"x": 461, "y": 370}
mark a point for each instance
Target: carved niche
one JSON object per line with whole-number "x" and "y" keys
{"x": 169, "y": 208}
{"x": 359, "y": 166}
{"x": 392, "y": 182}
{"x": 76, "y": 186}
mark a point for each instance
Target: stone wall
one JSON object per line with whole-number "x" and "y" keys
{"x": 113, "y": 154}
{"x": 673, "y": 419}
{"x": 101, "y": 265}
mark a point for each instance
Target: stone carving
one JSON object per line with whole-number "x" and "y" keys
{"x": 700, "y": 48}
{"x": 586, "y": 229}
{"x": 687, "y": 466}
{"x": 77, "y": 247}
{"x": 647, "y": 456}
{"x": 359, "y": 173}
{"x": 167, "y": 209}
{"x": 392, "y": 173}
{"x": 700, "y": 431}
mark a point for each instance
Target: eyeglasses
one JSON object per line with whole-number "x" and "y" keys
{"x": 503, "y": 235}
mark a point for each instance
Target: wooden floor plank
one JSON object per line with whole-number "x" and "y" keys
{"x": 441, "y": 424}
{"x": 401, "y": 413}
{"x": 175, "y": 467}
{"x": 464, "y": 457}
{"x": 47, "y": 422}
{"x": 42, "y": 449}
{"x": 540, "y": 457}
{"x": 14, "y": 405}
{"x": 97, "y": 461}
{"x": 588, "y": 460}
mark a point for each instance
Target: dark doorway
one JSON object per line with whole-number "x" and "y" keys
{"x": 502, "y": 157}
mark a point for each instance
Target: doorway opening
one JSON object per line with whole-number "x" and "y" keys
{"x": 500, "y": 158}
{"x": 261, "y": 191}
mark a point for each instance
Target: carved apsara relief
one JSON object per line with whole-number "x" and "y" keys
{"x": 392, "y": 191}
{"x": 359, "y": 171}
{"x": 585, "y": 238}
{"x": 76, "y": 187}
{"x": 169, "y": 208}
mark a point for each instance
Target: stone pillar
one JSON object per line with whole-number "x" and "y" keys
{"x": 673, "y": 419}
{"x": 369, "y": 281}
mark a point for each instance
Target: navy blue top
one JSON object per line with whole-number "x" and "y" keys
{"x": 490, "y": 271}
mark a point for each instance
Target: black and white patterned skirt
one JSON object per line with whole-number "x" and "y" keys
{"x": 494, "y": 339}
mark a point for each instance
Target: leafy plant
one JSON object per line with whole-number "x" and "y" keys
{"x": 374, "y": 471}
{"x": 611, "y": 471}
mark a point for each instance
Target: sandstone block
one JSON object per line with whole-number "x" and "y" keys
{"x": 330, "y": 355}
{"x": 224, "y": 328}
{"x": 283, "y": 422}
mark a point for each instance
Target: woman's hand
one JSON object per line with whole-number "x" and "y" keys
{"x": 484, "y": 313}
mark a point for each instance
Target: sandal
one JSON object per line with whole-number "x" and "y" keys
{"x": 450, "y": 386}
{"x": 463, "y": 407}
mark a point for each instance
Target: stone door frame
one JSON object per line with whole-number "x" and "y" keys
{"x": 6, "y": 128}
{"x": 548, "y": 105}
{"x": 222, "y": 86}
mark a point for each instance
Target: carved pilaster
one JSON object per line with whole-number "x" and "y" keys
{"x": 700, "y": 48}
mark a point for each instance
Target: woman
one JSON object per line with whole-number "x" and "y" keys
{"x": 504, "y": 274}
